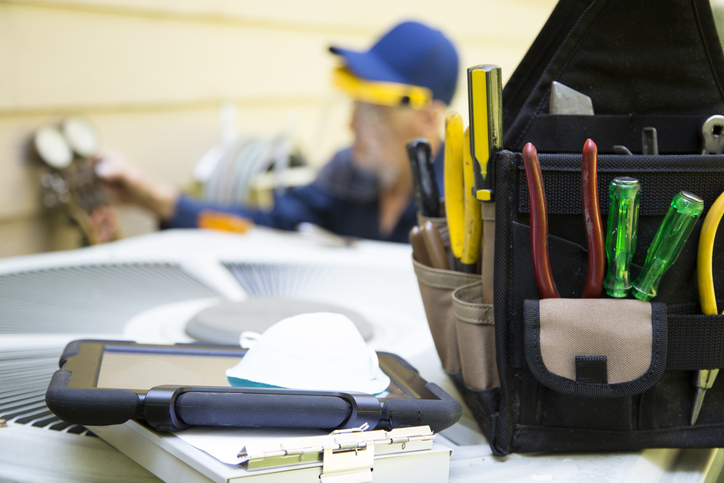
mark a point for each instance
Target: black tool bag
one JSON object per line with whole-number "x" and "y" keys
{"x": 644, "y": 64}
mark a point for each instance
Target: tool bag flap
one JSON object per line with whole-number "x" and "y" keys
{"x": 596, "y": 347}
{"x": 655, "y": 63}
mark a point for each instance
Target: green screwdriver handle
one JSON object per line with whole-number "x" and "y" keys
{"x": 623, "y": 219}
{"x": 678, "y": 223}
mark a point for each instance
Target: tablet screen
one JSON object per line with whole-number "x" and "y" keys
{"x": 141, "y": 372}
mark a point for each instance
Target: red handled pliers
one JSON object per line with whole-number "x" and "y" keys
{"x": 539, "y": 223}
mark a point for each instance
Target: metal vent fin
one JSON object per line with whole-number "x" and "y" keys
{"x": 91, "y": 298}
{"x": 24, "y": 378}
{"x": 290, "y": 280}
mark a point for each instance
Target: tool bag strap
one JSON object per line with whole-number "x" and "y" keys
{"x": 677, "y": 134}
{"x": 661, "y": 176}
{"x": 695, "y": 342}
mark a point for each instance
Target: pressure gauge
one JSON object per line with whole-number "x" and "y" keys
{"x": 52, "y": 147}
{"x": 81, "y": 136}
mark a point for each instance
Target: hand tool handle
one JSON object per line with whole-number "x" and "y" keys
{"x": 704, "y": 269}
{"x": 623, "y": 217}
{"x": 434, "y": 245}
{"x": 473, "y": 219}
{"x": 678, "y": 223}
{"x": 538, "y": 224}
{"x": 592, "y": 221}
{"x": 454, "y": 210}
{"x": 419, "y": 250}
{"x": 425, "y": 189}
{"x": 485, "y": 98}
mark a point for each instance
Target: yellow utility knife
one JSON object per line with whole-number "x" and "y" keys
{"x": 454, "y": 210}
{"x": 473, "y": 221}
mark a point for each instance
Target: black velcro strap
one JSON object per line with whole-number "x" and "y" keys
{"x": 695, "y": 342}
{"x": 592, "y": 369}
{"x": 662, "y": 176}
{"x": 677, "y": 134}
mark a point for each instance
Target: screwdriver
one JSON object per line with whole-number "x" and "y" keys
{"x": 678, "y": 223}
{"x": 623, "y": 218}
{"x": 704, "y": 379}
{"x": 485, "y": 100}
{"x": 433, "y": 244}
{"x": 419, "y": 250}
{"x": 425, "y": 189}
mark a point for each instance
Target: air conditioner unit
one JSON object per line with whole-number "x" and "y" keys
{"x": 149, "y": 289}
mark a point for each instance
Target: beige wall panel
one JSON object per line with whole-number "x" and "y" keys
{"x": 169, "y": 143}
{"x": 35, "y": 235}
{"x": 59, "y": 59}
{"x": 473, "y": 20}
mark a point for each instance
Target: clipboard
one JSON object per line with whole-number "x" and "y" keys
{"x": 174, "y": 387}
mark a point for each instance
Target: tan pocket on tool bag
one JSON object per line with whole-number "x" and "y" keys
{"x": 475, "y": 327}
{"x": 436, "y": 288}
{"x": 596, "y": 347}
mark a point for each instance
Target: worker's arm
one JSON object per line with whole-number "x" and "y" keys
{"x": 305, "y": 204}
{"x": 129, "y": 184}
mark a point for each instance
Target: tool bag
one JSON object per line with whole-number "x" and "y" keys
{"x": 521, "y": 363}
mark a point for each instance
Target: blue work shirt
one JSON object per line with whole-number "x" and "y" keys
{"x": 343, "y": 199}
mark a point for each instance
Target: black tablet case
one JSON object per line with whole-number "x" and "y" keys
{"x": 173, "y": 408}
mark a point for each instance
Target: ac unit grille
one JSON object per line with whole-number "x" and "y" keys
{"x": 24, "y": 377}
{"x": 91, "y": 298}
{"x": 289, "y": 280}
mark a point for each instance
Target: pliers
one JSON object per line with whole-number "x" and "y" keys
{"x": 539, "y": 223}
{"x": 707, "y": 297}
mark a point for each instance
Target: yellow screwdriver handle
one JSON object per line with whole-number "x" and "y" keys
{"x": 454, "y": 210}
{"x": 704, "y": 269}
{"x": 472, "y": 234}
{"x": 485, "y": 100}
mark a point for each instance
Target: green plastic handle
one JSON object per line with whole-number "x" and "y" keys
{"x": 623, "y": 219}
{"x": 678, "y": 223}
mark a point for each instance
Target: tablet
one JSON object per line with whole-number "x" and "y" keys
{"x": 173, "y": 387}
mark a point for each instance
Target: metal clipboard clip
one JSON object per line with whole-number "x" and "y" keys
{"x": 347, "y": 455}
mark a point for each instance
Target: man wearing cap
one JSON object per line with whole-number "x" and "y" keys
{"x": 401, "y": 88}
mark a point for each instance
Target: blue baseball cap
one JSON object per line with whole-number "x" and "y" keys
{"x": 411, "y": 53}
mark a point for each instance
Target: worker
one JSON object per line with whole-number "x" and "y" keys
{"x": 401, "y": 88}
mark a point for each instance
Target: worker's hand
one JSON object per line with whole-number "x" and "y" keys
{"x": 128, "y": 184}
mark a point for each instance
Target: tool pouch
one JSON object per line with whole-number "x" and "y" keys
{"x": 457, "y": 317}
{"x": 436, "y": 289}
{"x": 462, "y": 326}
{"x": 598, "y": 374}
{"x": 606, "y": 374}
{"x": 463, "y": 331}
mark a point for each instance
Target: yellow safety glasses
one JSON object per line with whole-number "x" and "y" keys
{"x": 381, "y": 93}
